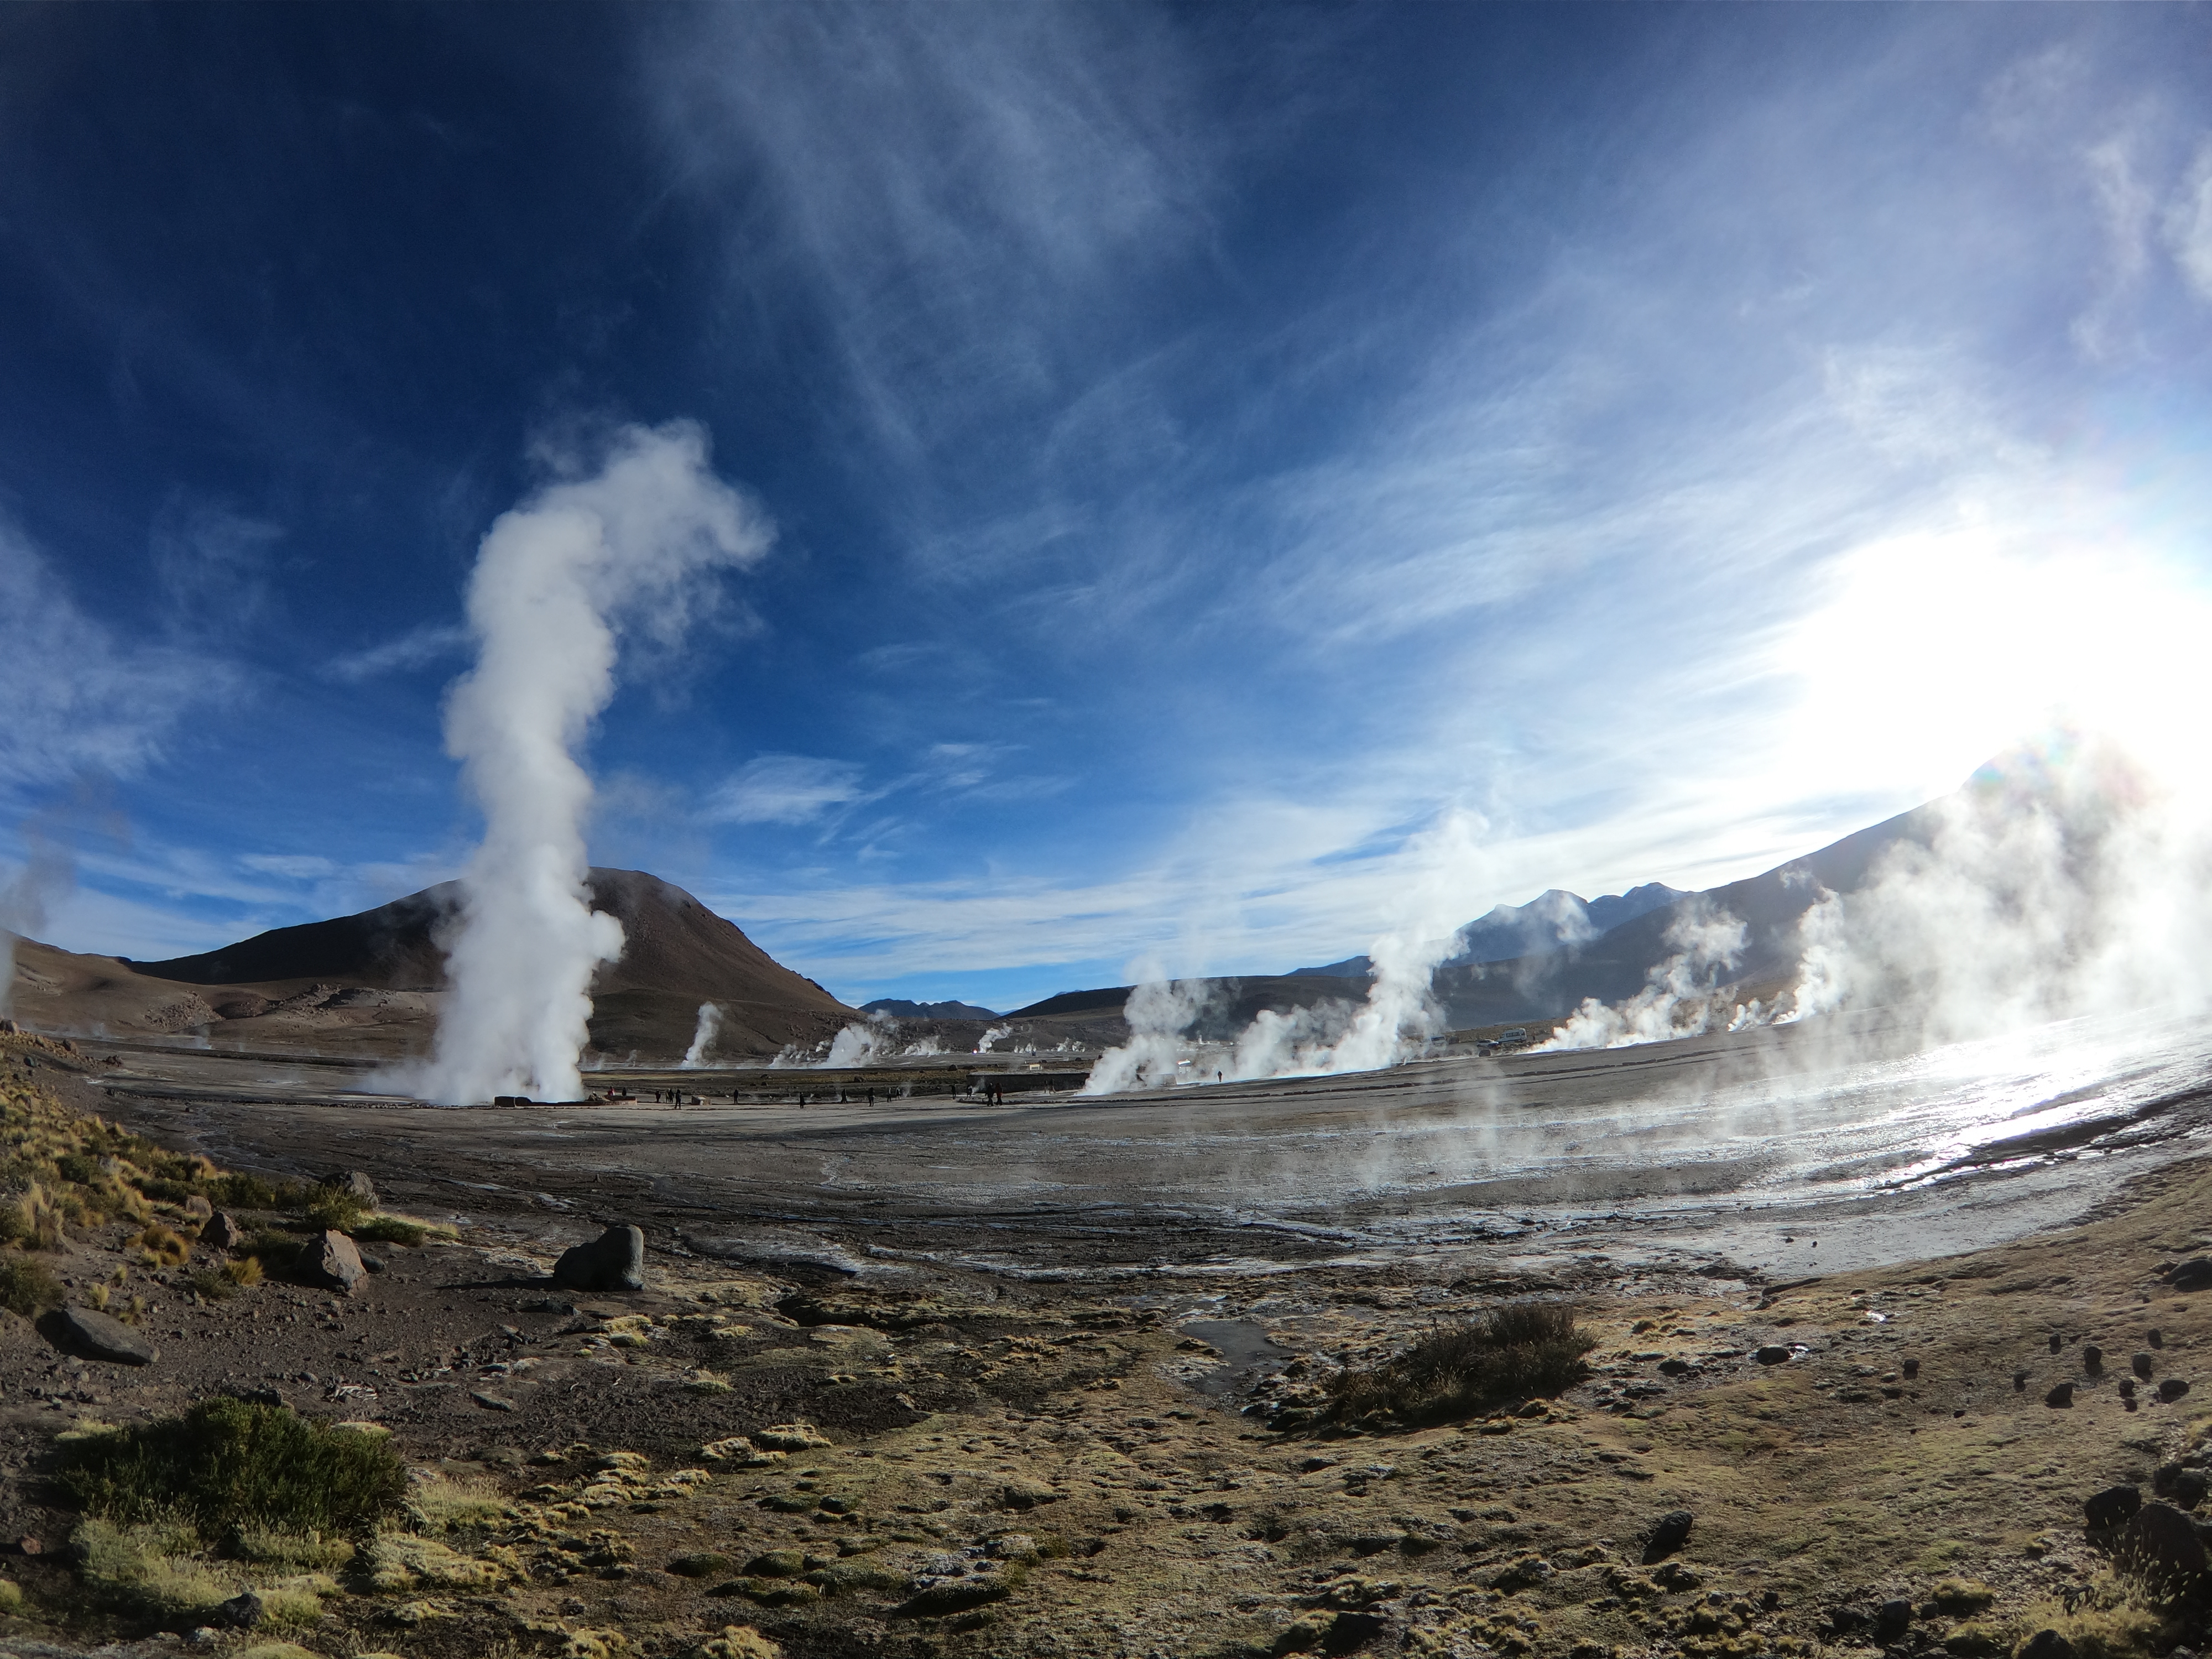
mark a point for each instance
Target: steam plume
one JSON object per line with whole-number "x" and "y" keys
{"x": 47, "y": 874}
{"x": 559, "y": 579}
{"x": 1159, "y": 1012}
{"x": 1679, "y": 997}
{"x": 702, "y": 1036}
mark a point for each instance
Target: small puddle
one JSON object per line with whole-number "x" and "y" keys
{"x": 1244, "y": 1347}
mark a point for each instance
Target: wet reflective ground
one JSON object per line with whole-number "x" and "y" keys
{"x": 1801, "y": 1149}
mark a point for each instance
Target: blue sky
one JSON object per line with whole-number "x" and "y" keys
{"x": 1241, "y": 475}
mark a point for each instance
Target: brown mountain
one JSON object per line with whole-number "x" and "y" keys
{"x": 369, "y": 982}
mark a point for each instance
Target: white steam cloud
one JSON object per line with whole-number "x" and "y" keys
{"x": 1680, "y": 997}
{"x": 1159, "y": 1012}
{"x": 702, "y": 1036}
{"x": 559, "y": 582}
{"x": 46, "y": 875}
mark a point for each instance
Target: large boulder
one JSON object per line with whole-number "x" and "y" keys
{"x": 354, "y": 1185}
{"x": 1670, "y": 1534}
{"x": 2115, "y": 1506}
{"x": 2159, "y": 1546}
{"x": 2192, "y": 1275}
{"x": 96, "y": 1336}
{"x": 332, "y": 1262}
{"x": 615, "y": 1260}
{"x": 222, "y": 1231}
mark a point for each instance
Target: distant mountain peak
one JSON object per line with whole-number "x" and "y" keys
{"x": 900, "y": 1008}
{"x": 1552, "y": 921}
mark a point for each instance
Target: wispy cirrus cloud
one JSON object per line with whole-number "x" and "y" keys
{"x": 426, "y": 645}
{"x": 790, "y": 789}
{"x": 76, "y": 695}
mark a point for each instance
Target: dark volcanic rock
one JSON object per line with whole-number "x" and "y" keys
{"x": 1773, "y": 1354}
{"x": 2092, "y": 1359}
{"x": 2158, "y": 1545}
{"x": 2183, "y": 1488}
{"x": 332, "y": 1262}
{"x": 96, "y": 1336}
{"x": 2192, "y": 1275}
{"x": 2046, "y": 1644}
{"x": 354, "y": 1185}
{"x": 2111, "y": 1507}
{"x": 1891, "y": 1620}
{"x": 2063, "y": 1394}
{"x": 222, "y": 1231}
{"x": 2140, "y": 1365}
{"x": 615, "y": 1260}
{"x": 2172, "y": 1389}
{"x": 1671, "y": 1531}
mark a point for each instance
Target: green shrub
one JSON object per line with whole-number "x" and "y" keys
{"x": 213, "y": 1285}
{"x": 390, "y": 1230}
{"x": 226, "y": 1465}
{"x": 27, "y": 1287}
{"x": 332, "y": 1207}
{"x": 1512, "y": 1353}
{"x": 253, "y": 1192}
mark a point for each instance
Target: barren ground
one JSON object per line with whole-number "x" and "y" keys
{"x": 1039, "y": 1347}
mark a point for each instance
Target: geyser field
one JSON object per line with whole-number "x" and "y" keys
{"x": 934, "y": 1376}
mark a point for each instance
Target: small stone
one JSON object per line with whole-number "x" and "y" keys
{"x": 2092, "y": 1359}
{"x": 2062, "y": 1395}
{"x": 30, "y": 1545}
{"x": 354, "y": 1185}
{"x": 491, "y": 1402}
{"x": 197, "y": 1208}
{"x": 1911, "y": 1370}
{"x": 2192, "y": 1275}
{"x": 243, "y": 1611}
{"x": 203, "y": 1636}
{"x": 615, "y": 1260}
{"x": 96, "y": 1336}
{"x": 2113, "y": 1507}
{"x": 1671, "y": 1531}
{"x": 2140, "y": 1365}
{"x": 2157, "y": 1338}
{"x": 1891, "y": 1620}
{"x": 1773, "y": 1354}
{"x": 2019, "y": 1382}
{"x": 221, "y": 1232}
{"x": 2172, "y": 1389}
{"x": 2127, "y": 1388}
{"x": 2056, "y": 1342}
{"x": 2046, "y": 1644}
{"x": 332, "y": 1262}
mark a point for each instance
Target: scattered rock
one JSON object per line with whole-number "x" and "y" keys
{"x": 1671, "y": 1531}
{"x": 1911, "y": 1370}
{"x": 2128, "y": 1389}
{"x": 197, "y": 1208}
{"x": 354, "y": 1185}
{"x": 96, "y": 1336}
{"x": 2019, "y": 1382}
{"x": 2140, "y": 1365}
{"x": 222, "y": 1231}
{"x": 2158, "y": 1545}
{"x": 332, "y": 1262}
{"x": 2045, "y": 1645}
{"x": 2157, "y": 1338}
{"x": 1021, "y": 1493}
{"x": 2172, "y": 1389}
{"x": 2093, "y": 1360}
{"x": 2062, "y": 1395}
{"x": 244, "y": 1611}
{"x": 2111, "y": 1507}
{"x": 491, "y": 1402}
{"x": 2192, "y": 1275}
{"x": 1773, "y": 1354}
{"x": 2183, "y": 1488}
{"x": 1674, "y": 1367}
{"x": 30, "y": 1545}
{"x": 615, "y": 1260}
{"x": 705, "y": 1564}
{"x": 1891, "y": 1620}
{"x": 2056, "y": 1342}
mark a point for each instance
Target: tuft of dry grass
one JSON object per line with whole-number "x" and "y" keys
{"x": 27, "y": 1285}
{"x": 1516, "y": 1351}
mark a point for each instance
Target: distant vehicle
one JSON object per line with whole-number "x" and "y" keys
{"x": 1518, "y": 1034}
